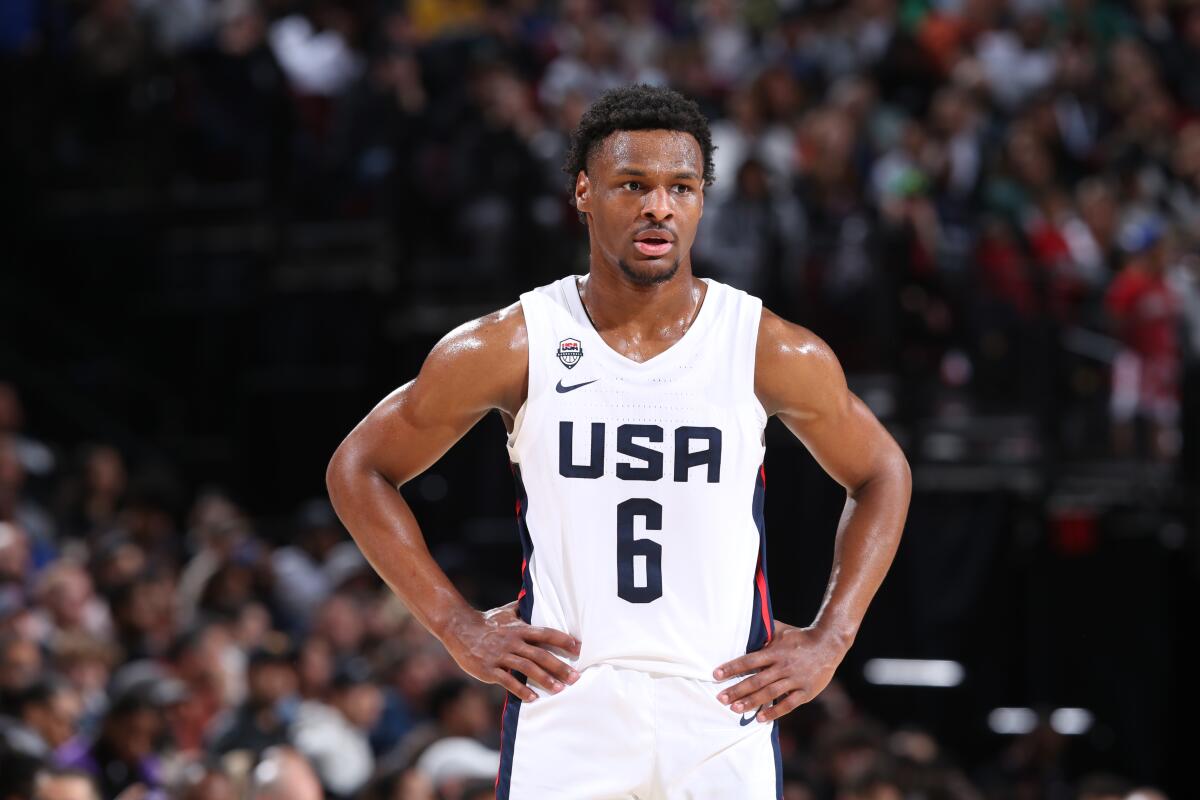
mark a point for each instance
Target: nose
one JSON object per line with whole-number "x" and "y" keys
{"x": 657, "y": 205}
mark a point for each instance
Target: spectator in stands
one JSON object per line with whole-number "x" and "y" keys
{"x": 1146, "y": 314}
{"x": 35, "y": 456}
{"x": 283, "y": 774}
{"x": 43, "y": 716}
{"x": 874, "y": 784}
{"x": 300, "y": 579}
{"x": 128, "y": 747}
{"x": 333, "y": 735}
{"x": 142, "y": 613}
{"x": 207, "y": 783}
{"x": 20, "y": 661}
{"x": 755, "y": 237}
{"x": 68, "y": 603}
{"x": 90, "y": 498}
{"x": 16, "y": 506}
{"x": 263, "y": 719}
{"x": 53, "y": 783}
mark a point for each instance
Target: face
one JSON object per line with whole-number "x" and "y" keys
{"x": 213, "y": 786}
{"x": 316, "y": 665}
{"x": 67, "y": 598}
{"x": 471, "y": 714}
{"x": 134, "y": 735}
{"x": 20, "y": 664}
{"x": 57, "y": 720}
{"x": 361, "y": 705}
{"x": 643, "y": 193}
{"x": 64, "y": 788}
{"x": 14, "y": 553}
{"x": 271, "y": 682}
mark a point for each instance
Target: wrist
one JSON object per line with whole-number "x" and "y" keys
{"x": 448, "y": 627}
{"x": 837, "y": 633}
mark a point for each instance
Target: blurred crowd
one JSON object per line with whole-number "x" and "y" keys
{"x": 154, "y": 643}
{"x": 998, "y": 199}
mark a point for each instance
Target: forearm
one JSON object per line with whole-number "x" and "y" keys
{"x": 868, "y": 534}
{"x": 385, "y": 529}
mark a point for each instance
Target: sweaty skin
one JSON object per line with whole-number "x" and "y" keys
{"x": 639, "y": 186}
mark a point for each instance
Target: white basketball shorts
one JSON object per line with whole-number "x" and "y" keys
{"x": 631, "y": 735}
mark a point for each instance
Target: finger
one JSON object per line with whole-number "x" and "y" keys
{"x": 552, "y": 637}
{"x": 788, "y": 704}
{"x": 748, "y": 686}
{"x": 743, "y": 664}
{"x": 763, "y": 696}
{"x": 548, "y": 661}
{"x": 532, "y": 671}
{"x": 514, "y": 686}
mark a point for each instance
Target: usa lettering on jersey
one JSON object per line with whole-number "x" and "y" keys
{"x": 652, "y": 468}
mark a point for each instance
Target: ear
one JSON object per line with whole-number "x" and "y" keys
{"x": 583, "y": 192}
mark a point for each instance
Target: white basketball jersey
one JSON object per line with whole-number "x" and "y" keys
{"x": 640, "y": 488}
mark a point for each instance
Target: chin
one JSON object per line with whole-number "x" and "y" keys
{"x": 649, "y": 273}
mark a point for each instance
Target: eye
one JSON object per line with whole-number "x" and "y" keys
{"x": 632, "y": 186}
{"x": 682, "y": 188}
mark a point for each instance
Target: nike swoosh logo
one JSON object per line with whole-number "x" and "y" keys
{"x": 744, "y": 721}
{"x": 561, "y": 388}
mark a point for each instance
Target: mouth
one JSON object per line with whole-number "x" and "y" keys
{"x": 654, "y": 243}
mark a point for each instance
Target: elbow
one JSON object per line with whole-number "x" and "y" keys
{"x": 900, "y": 468}
{"x": 337, "y": 471}
{"x": 899, "y": 474}
{"x": 890, "y": 470}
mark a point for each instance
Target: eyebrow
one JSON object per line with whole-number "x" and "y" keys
{"x": 638, "y": 173}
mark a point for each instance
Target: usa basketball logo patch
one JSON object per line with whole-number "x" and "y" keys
{"x": 569, "y": 352}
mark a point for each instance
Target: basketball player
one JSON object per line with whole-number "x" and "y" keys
{"x": 641, "y": 658}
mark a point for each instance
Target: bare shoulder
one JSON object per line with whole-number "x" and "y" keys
{"x": 499, "y": 334}
{"x": 795, "y": 370}
{"x": 485, "y": 359}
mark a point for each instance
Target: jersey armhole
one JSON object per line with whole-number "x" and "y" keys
{"x": 754, "y": 312}
{"x": 519, "y": 438}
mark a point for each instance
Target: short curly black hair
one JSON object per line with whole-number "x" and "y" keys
{"x": 638, "y": 107}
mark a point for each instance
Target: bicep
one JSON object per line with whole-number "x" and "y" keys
{"x": 801, "y": 381}
{"x": 846, "y": 439}
{"x": 470, "y": 372}
{"x": 411, "y": 428}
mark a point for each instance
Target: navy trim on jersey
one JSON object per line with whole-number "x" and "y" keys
{"x": 512, "y": 703}
{"x": 761, "y": 631}
{"x": 525, "y": 598}
{"x": 778, "y": 760}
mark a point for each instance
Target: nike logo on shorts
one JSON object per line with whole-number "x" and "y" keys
{"x": 561, "y": 388}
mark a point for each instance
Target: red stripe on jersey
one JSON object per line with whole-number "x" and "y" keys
{"x": 761, "y": 581}
{"x": 524, "y": 564}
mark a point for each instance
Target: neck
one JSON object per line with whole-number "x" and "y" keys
{"x": 636, "y": 320}
{"x": 614, "y": 300}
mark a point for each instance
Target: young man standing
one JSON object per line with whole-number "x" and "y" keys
{"x": 641, "y": 657}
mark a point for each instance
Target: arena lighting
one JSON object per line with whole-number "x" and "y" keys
{"x": 1071, "y": 721}
{"x": 913, "y": 672}
{"x": 1012, "y": 721}
{"x": 1018, "y": 721}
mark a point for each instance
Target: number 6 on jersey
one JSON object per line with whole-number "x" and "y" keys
{"x": 629, "y": 548}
